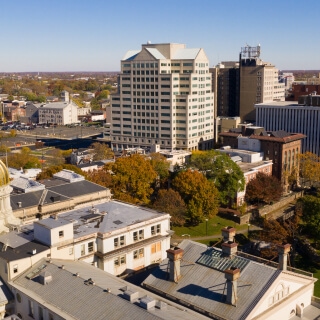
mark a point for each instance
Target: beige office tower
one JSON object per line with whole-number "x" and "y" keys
{"x": 164, "y": 98}
{"x": 258, "y": 82}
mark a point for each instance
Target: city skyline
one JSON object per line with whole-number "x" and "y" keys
{"x": 94, "y": 36}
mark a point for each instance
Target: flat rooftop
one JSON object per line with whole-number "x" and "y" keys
{"x": 104, "y": 217}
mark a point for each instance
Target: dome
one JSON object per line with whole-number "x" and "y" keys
{"x": 4, "y": 174}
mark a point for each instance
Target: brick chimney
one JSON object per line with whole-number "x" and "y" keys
{"x": 228, "y": 234}
{"x": 232, "y": 276}
{"x": 174, "y": 255}
{"x": 283, "y": 251}
{"x": 229, "y": 248}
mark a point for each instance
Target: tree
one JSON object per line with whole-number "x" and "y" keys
{"x": 311, "y": 214}
{"x": 200, "y": 195}
{"x": 309, "y": 167}
{"x": 274, "y": 234}
{"x": 263, "y": 188}
{"x": 170, "y": 201}
{"x": 95, "y": 104}
{"x": 48, "y": 173}
{"x": 104, "y": 94}
{"x": 55, "y": 157}
{"x": 102, "y": 177}
{"x": 132, "y": 177}
{"x": 225, "y": 173}
{"x": 23, "y": 160}
{"x": 101, "y": 151}
{"x": 160, "y": 165}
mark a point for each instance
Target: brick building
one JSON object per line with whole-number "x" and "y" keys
{"x": 281, "y": 147}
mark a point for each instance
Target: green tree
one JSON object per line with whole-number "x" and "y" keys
{"x": 225, "y": 173}
{"x": 104, "y": 94}
{"x": 311, "y": 214}
{"x": 170, "y": 201}
{"x": 101, "y": 151}
{"x": 132, "y": 179}
{"x": 200, "y": 195}
{"x": 263, "y": 188}
{"x": 160, "y": 165}
{"x": 95, "y": 104}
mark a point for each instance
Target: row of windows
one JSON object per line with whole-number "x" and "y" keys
{"x": 137, "y": 235}
{"x": 137, "y": 254}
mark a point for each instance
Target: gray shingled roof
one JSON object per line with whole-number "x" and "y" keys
{"x": 77, "y": 188}
{"x": 78, "y": 298}
{"x": 32, "y": 199}
{"x": 204, "y": 287}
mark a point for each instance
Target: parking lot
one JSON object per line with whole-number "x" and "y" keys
{"x": 29, "y": 137}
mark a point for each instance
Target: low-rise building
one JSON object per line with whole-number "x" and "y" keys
{"x": 227, "y": 284}
{"x": 60, "y": 113}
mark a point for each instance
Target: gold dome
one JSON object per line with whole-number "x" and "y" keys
{"x": 4, "y": 174}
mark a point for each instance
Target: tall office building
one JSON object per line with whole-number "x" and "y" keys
{"x": 164, "y": 97}
{"x": 258, "y": 82}
{"x": 225, "y": 86}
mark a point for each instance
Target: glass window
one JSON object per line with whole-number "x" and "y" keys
{"x": 90, "y": 246}
{"x": 137, "y": 254}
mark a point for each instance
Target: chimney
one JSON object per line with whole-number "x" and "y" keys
{"x": 232, "y": 276}
{"x": 229, "y": 248}
{"x": 174, "y": 255}
{"x": 228, "y": 234}
{"x": 283, "y": 251}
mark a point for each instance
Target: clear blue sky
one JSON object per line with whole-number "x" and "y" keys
{"x": 93, "y": 35}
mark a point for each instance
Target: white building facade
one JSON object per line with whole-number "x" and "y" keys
{"x": 164, "y": 97}
{"x": 294, "y": 118}
{"x": 115, "y": 237}
{"x": 60, "y": 113}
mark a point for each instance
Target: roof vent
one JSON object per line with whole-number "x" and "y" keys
{"x": 62, "y": 267}
{"x": 131, "y": 295}
{"x": 34, "y": 251}
{"x": 19, "y": 203}
{"x": 161, "y": 305}
{"x": 45, "y": 277}
{"x": 147, "y": 303}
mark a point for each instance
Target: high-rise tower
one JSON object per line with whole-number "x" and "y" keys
{"x": 164, "y": 97}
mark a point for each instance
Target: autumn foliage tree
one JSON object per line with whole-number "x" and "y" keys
{"x": 24, "y": 159}
{"x": 309, "y": 167}
{"x": 101, "y": 151}
{"x": 102, "y": 177}
{"x": 263, "y": 188}
{"x": 274, "y": 234}
{"x": 132, "y": 179}
{"x": 200, "y": 195}
{"x": 50, "y": 171}
{"x": 170, "y": 201}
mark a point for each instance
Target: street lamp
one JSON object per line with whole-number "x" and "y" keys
{"x": 206, "y": 227}
{"x": 248, "y": 229}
